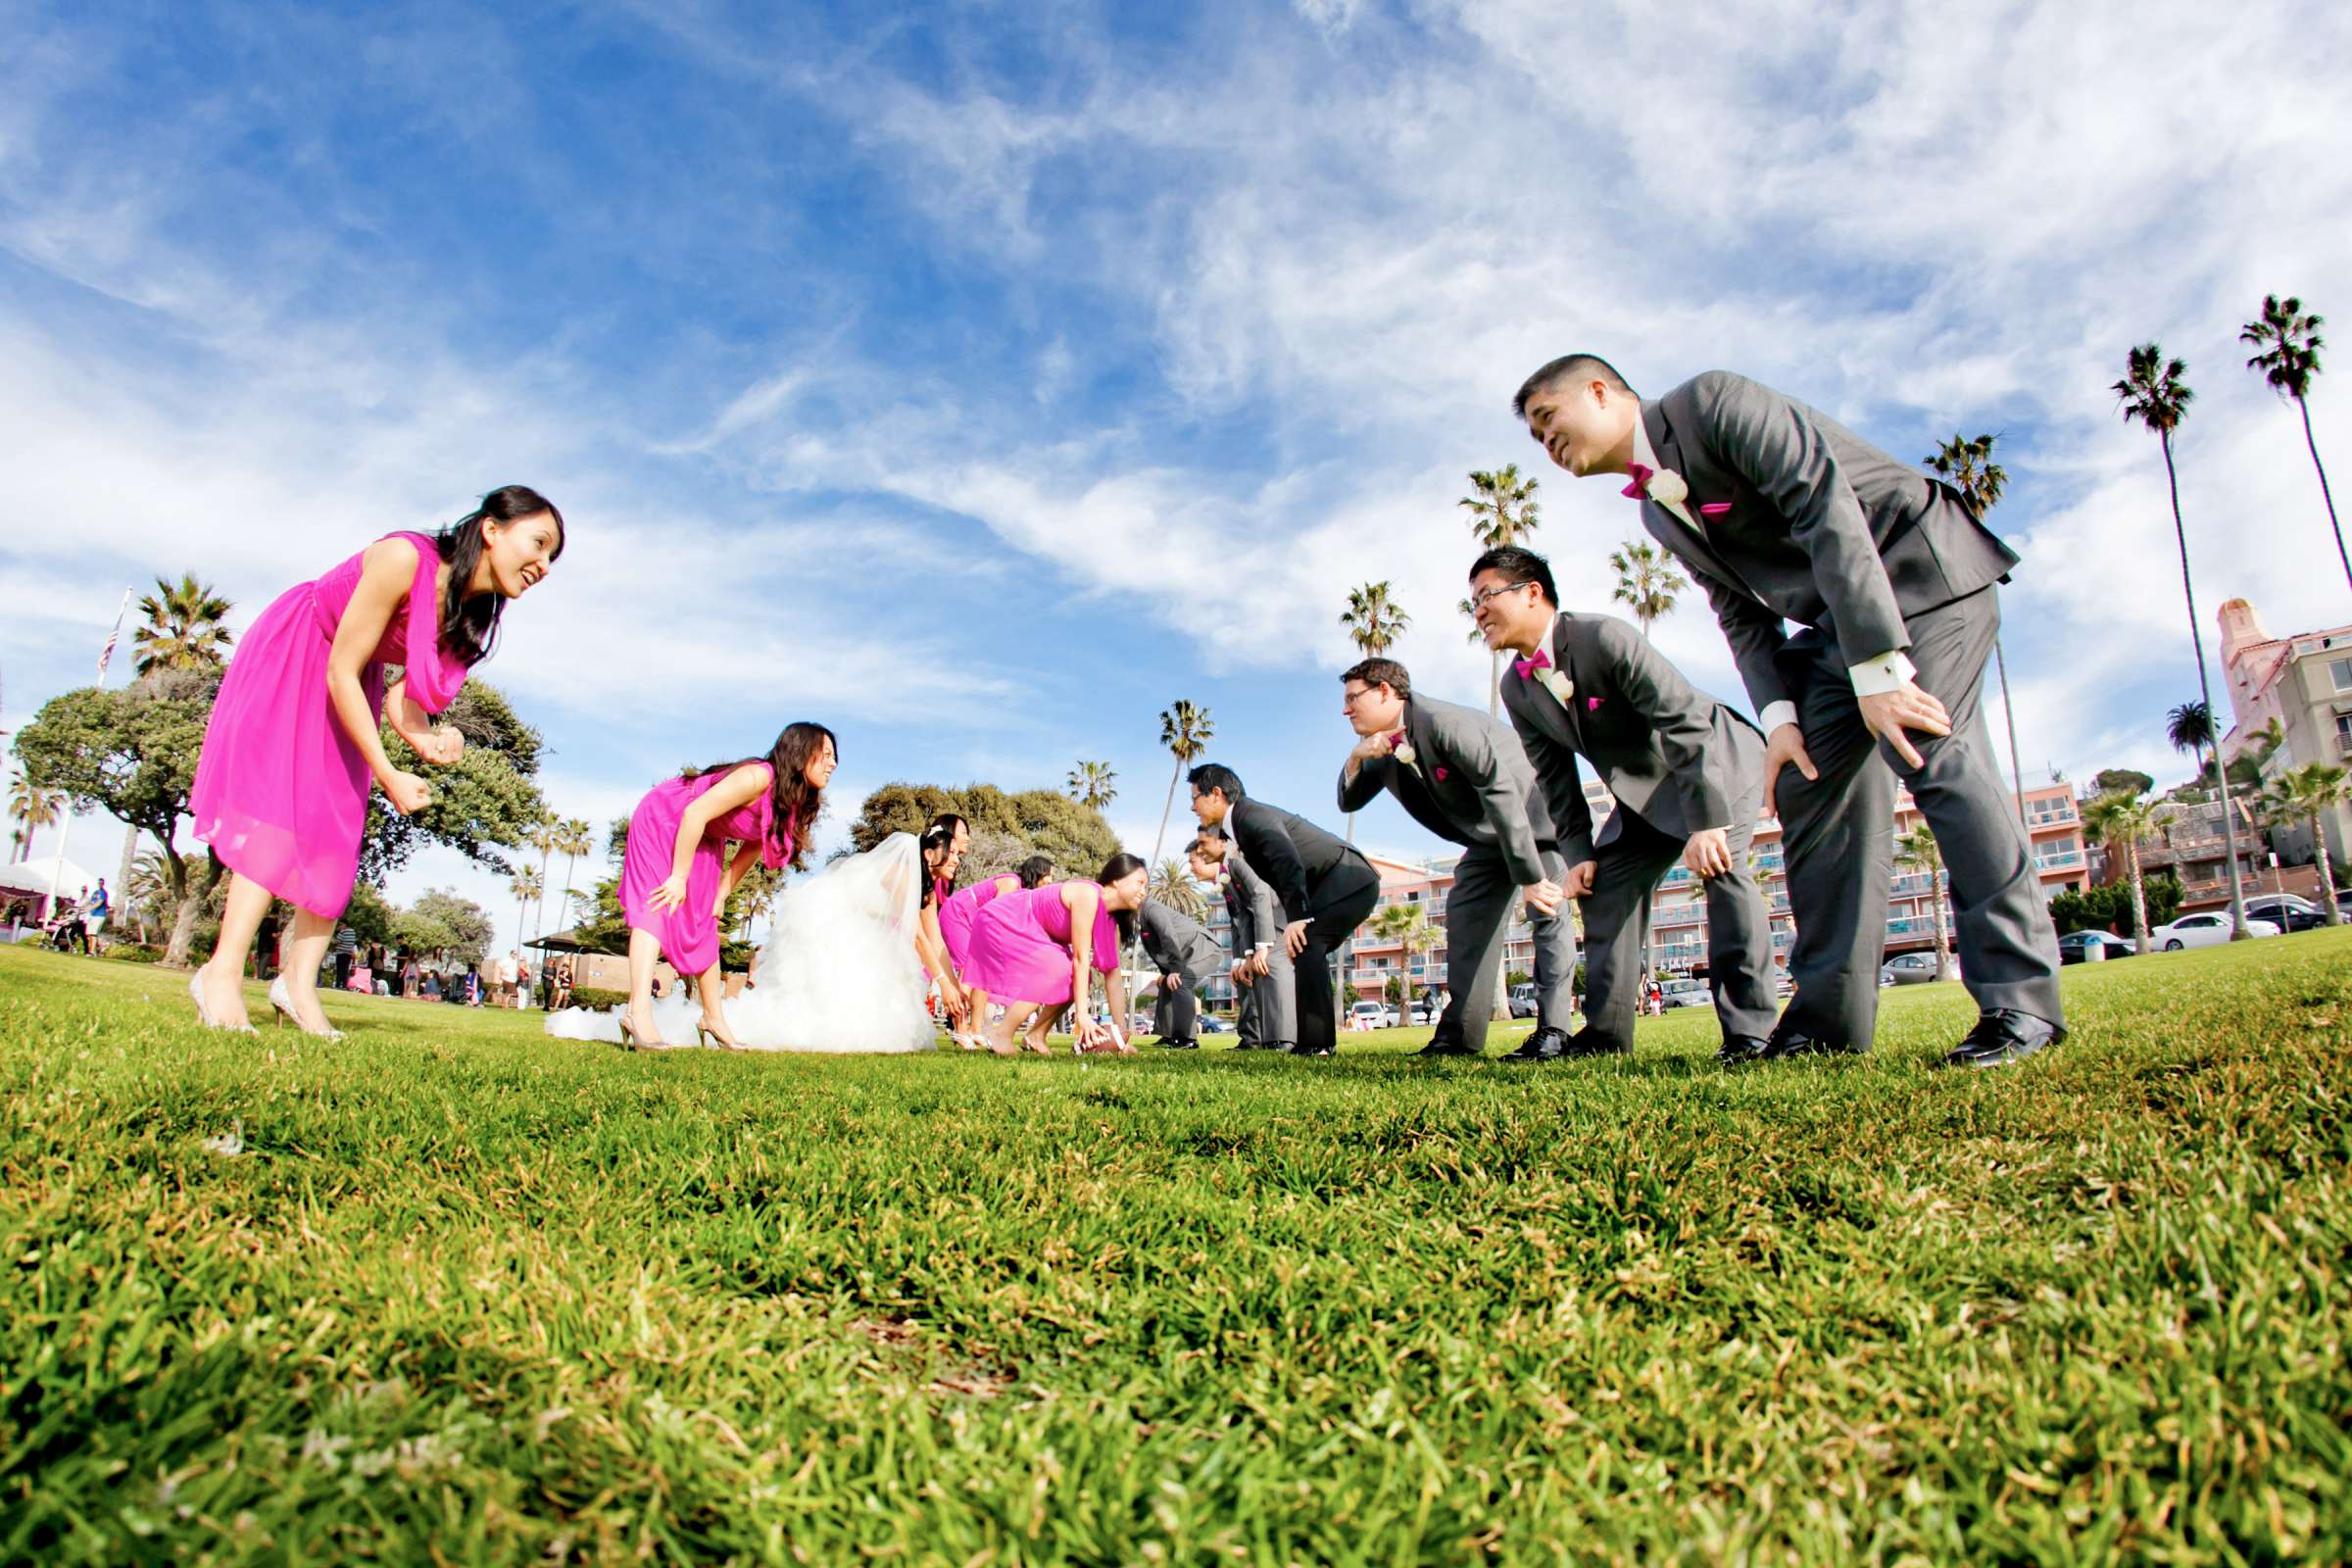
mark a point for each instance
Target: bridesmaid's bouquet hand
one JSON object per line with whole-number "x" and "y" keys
{"x": 670, "y": 895}
{"x": 440, "y": 747}
{"x": 408, "y": 792}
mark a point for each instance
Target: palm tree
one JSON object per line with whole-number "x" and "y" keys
{"x": 1172, "y": 885}
{"x": 1373, "y": 617}
{"x": 1094, "y": 784}
{"x": 543, "y": 836}
{"x": 527, "y": 886}
{"x": 1185, "y": 729}
{"x": 183, "y": 629}
{"x": 1966, "y": 464}
{"x": 2306, "y": 794}
{"x": 1647, "y": 581}
{"x": 575, "y": 838}
{"x": 34, "y": 808}
{"x": 2125, "y": 818}
{"x": 2290, "y": 358}
{"x": 2189, "y": 728}
{"x": 1408, "y": 924}
{"x": 1502, "y": 511}
{"x": 2153, "y": 393}
{"x": 1918, "y": 851}
{"x": 147, "y": 890}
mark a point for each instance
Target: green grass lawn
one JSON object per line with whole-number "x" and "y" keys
{"x": 469, "y": 1294}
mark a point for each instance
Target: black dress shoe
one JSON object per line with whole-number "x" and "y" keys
{"x": 1545, "y": 1044}
{"x": 1787, "y": 1045}
{"x": 1739, "y": 1051}
{"x": 1593, "y": 1042}
{"x": 2002, "y": 1036}
{"x": 1311, "y": 1050}
{"x": 1165, "y": 1044}
{"x": 1445, "y": 1045}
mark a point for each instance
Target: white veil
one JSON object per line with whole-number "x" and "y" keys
{"x": 836, "y": 973}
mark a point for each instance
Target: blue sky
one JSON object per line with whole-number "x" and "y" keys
{"x": 979, "y": 378}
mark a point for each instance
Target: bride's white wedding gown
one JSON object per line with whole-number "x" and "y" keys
{"x": 836, "y": 973}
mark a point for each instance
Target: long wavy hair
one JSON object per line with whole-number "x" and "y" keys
{"x": 797, "y": 801}
{"x": 934, "y": 840}
{"x": 470, "y": 622}
{"x": 1119, "y": 866}
{"x": 1036, "y": 871}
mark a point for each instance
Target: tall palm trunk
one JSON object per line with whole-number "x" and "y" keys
{"x": 2017, "y": 775}
{"x": 572, "y": 864}
{"x": 2196, "y": 637}
{"x": 1943, "y": 946}
{"x": 1167, "y": 806}
{"x": 2324, "y": 494}
{"x": 2319, "y": 842}
{"x": 2139, "y": 901}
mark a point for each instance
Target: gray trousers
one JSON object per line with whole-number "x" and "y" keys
{"x": 1176, "y": 1014}
{"x": 1270, "y": 1002}
{"x": 1626, "y": 872}
{"x": 1838, "y": 834}
{"x": 1478, "y": 917}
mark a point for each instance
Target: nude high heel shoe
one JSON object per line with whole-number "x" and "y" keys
{"x": 282, "y": 1000}
{"x": 203, "y": 1015}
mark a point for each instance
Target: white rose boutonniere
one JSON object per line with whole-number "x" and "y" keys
{"x": 1405, "y": 754}
{"x": 1558, "y": 684}
{"x": 1667, "y": 489}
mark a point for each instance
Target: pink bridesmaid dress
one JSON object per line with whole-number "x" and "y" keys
{"x": 1021, "y": 944}
{"x": 281, "y": 792}
{"x": 957, "y": 915}
{"x": 689, "y": 933}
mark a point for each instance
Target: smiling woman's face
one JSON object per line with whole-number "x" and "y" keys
{"x": 517, "y": 555}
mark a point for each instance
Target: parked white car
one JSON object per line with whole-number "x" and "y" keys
{"x": 1372, "y": 1015}
{"x": 1687, "y": 993}
{"x": 2206, "y": 930}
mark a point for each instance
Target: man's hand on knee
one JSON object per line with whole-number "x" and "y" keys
{"x": 1783, "y": 746}
{"x": 1909, "y": 706}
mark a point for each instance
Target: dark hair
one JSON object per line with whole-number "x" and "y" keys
{"x": 1520, "y": 566}
{"x": 1381, "y": 673}
{"x": 1209, "y": 835}
{"x": 795, "y": 801}
{"x": 936, "y": 836}
{"x": 1582, "y": 367}
{"x": 1215, "y": 776}
{"x": 469, "y": 620}
{"x": 1036, "y": 871}
{"x": 950, "y": 821}
{"x": 1119, "y": 866}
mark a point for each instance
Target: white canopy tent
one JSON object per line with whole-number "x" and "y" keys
{"x": 37, "y": 875}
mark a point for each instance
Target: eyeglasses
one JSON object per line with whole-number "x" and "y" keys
{"x": 1478, "y": 600}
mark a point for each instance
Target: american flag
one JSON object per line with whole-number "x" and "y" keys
{"x": 107, "y": 652}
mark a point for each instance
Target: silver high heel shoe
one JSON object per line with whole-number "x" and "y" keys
{"x": 630, "y": 1041}
{"x": 283, "y": 1002}
{"x": 707, "y": 1038}
{"x": 203, "y": 1015}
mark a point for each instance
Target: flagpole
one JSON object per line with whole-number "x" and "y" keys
{"x": 65, "y": 836}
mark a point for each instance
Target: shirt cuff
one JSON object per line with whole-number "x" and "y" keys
{"x": 1775, "y": 714}
{"x": 1874, "y": 677}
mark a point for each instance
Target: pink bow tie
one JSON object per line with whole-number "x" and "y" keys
{"x": 1398, "y": 739}
{"x": 1639, "y": 489}
{"x": 1527, "y": 668}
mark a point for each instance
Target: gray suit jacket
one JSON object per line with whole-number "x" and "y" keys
{"x": 1178, "y": 944}
{"x": 1250, "y": 900}
{"x": 1469, "y": 783}
{"x": 1671, "y": 754}
{"x": 1291, "y": 853}
{"x": 1824, "y": 528}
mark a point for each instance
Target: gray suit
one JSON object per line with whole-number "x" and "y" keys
{"x": 1318, "y": 880}
{"x": 1866, "y": 556}
{"x": 1269, "y": 1003}
{"x": 1678, "y": 761}
{"x": 1470, "y": 783}
{"x": 1180, "y": 946}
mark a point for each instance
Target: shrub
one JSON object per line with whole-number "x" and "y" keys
{"x": 590, "y": 997}
{"x": 134, "y": 952}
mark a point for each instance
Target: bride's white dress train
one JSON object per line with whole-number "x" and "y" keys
{"x": 836, "y": 973}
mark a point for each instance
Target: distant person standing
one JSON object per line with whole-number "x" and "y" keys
{"x": 347, "y": 955}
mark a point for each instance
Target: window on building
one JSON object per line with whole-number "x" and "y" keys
{"x": 2341, "y": 669}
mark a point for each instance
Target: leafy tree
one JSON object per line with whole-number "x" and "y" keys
{"x": 1045, "y": 822}
{"x": 1094, "y": 784}
{"x": 447, "y": 924}
{"x": 2130, "y": 781}
{"x": 994, "y": 853}
{"x": 370, "y": 916}
{"x": 182, "y": 629}
{"x": 2155, "y": 393}
{"x": 2288, "y": 342}
{"x": 1966, "y": 464}
{"x": 1918, "y": 851}
{"x": 132, "y": 753}
{"x": 2306, "y": 794}
{"x": 1647, "y": 581}
{"x": 1503, "y": 511}
{"x": 2108, "y": 908}
{"x": 487, "y": 802}
{"x": 1185, "y": 729}
{"x": 1408, "y": 925}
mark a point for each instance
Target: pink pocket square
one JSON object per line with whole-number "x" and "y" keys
{"x": 1591, "y": 702}
{"x": 1715, "y": 509}
{"x": 1441, "y": 773}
